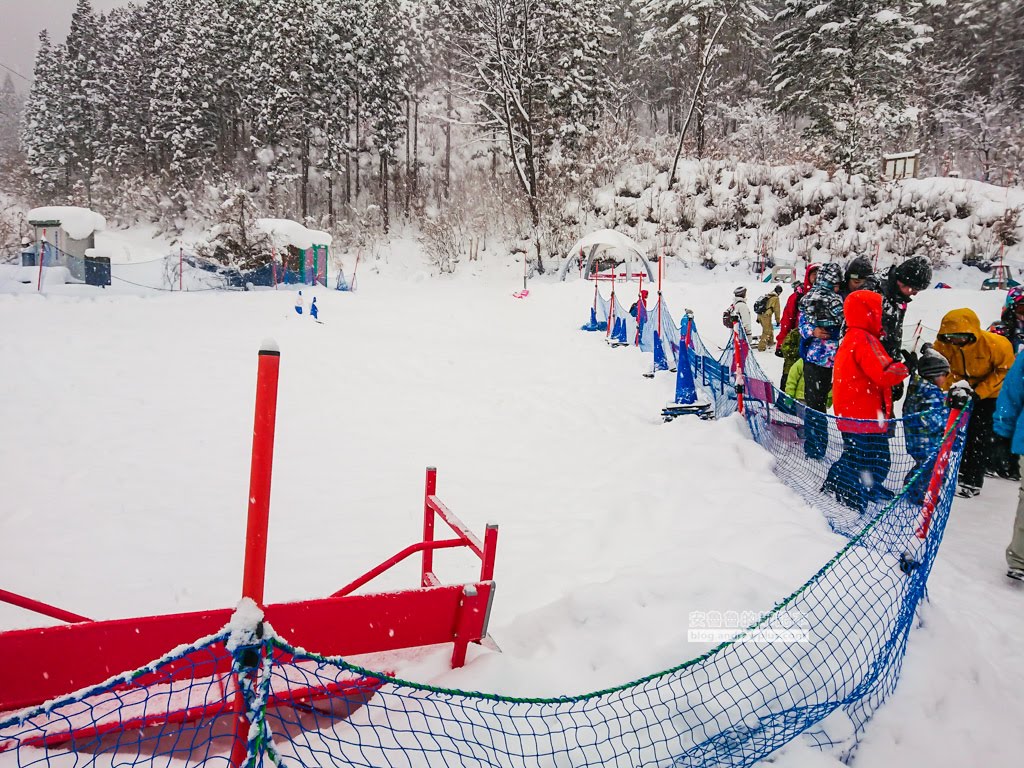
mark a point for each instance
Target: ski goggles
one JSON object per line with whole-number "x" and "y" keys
{"x": 956, "y": 338}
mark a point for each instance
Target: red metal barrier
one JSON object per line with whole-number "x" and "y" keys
{"x": 49, "y": 662}
{"x": 931, "y": 497}
{"x": 39, "y": 607}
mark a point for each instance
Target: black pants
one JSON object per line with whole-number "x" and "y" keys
{"x": 980, "y": 443}
{"x": 817, "y": 385}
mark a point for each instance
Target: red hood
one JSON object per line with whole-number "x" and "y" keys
{"x": 811, "y": 269}
{"x": 863, "y": 309}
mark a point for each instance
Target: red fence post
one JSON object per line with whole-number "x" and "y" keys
{"x": 738, "y": 362}
{"x": 428, "y": 525}
{"x": 260, "y": 472}
{"x": 490, "y": 548}
{"x": 261, "y": 469}
{"x": 181, "y": 269}
{"x": 931, "y": 496}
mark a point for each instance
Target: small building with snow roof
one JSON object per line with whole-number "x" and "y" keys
{"x": 64, "y": 234}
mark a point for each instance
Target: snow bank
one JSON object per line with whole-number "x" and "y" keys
{"x": 285, "y": 232}
{"x": 78, "y": 223}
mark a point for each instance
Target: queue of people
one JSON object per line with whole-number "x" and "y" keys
{"x": 841, "y": 339}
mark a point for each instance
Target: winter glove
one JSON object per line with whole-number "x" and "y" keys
{"x": 910, "y": 359}
{"x": 960, "y": 395}
{"x": 897, "y": 392}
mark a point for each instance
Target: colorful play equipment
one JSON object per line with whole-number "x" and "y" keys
{"x": 196, "y": 671}
{"x": 300, "y": 254}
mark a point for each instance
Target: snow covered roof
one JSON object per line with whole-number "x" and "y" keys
{"x": 78, "y": 223}
{"x": 286, "y": 232}
{"x": 608, "y": 238}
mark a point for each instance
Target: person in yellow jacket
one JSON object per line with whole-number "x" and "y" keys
{"x": 981, "y": 359}
{"x": 771, "y": 312}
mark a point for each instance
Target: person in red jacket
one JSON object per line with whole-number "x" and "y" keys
{"x": 862, "y": 382}
{"x": 790, "y": 313}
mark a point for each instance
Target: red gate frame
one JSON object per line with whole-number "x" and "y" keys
{"x": 48, "y": 662}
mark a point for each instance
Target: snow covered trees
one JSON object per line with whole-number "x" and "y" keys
{"x": 326, "y": 107}
{"x": 533, "y": 71}
{"x": 845, "y": 65}
{"x": 44, "y": 136}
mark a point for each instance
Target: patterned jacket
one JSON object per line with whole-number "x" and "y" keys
{"x": 821, "y": 308}
{"x": 924, "y": 418}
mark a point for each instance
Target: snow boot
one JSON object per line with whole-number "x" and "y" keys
{"x": 968, "y": 491}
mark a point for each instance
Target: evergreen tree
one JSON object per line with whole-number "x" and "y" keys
{"x": 44, "y": 134}
{"x": 845, "y": 66}
{"x": 10, "y": 119}
{"x": 84, "y": 102}
{"x": 235, "y": 239}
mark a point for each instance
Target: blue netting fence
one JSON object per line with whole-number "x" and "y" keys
{"x": 816, "y": 665}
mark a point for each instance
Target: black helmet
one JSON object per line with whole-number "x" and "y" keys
{"x": 859, "y": 269}
{"x": 914, "y": 273}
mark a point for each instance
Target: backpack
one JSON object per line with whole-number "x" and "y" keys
{"x": 761, "y": 304}
{"x": 728, "y": 316}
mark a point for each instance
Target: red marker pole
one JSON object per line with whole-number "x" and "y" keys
{"x": 931, "y": 497}
{"x": 261, "y": 468}
{"x": 39, "y": 258}
{"x": 181, "y": 271}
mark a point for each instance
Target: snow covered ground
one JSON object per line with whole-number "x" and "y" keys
{"x": 125, "y": 467}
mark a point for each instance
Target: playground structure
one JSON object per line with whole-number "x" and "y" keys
{"x": 587, "y": 249}
{"x": 300, "y": 255}
{"x": 193, "y": 668}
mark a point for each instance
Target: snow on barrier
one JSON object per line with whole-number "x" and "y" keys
{"x": 816, "y": 665}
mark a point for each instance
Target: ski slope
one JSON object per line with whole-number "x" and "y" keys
{"x": 127, "y": 421}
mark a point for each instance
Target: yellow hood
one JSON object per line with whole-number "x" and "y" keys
{"x": 961, "y": 321}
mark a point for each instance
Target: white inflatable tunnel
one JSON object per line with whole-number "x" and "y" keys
{"x": 601, "y": 240}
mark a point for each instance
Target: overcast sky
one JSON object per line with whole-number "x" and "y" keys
{"x": 20, "y": 22}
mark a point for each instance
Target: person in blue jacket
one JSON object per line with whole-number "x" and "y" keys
{"x": 1008, "y": 423}
{"x": 925, "y": 414}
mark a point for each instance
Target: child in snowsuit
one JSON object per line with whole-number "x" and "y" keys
{"x": 863, "y": 379}
{"x": 924, "y": 416}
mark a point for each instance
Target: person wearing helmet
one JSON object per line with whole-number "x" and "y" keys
{"x": 1012, "y": 318}
{"x": 981, "y": 359}
{"x": 792, "y": 309}
{"x": 741, "y": 310}
{"x": 898, "y": 286}
{"x": 857, "y": 273}
{"x": 770, "y": 313}
{"x": 821, "y": 318}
